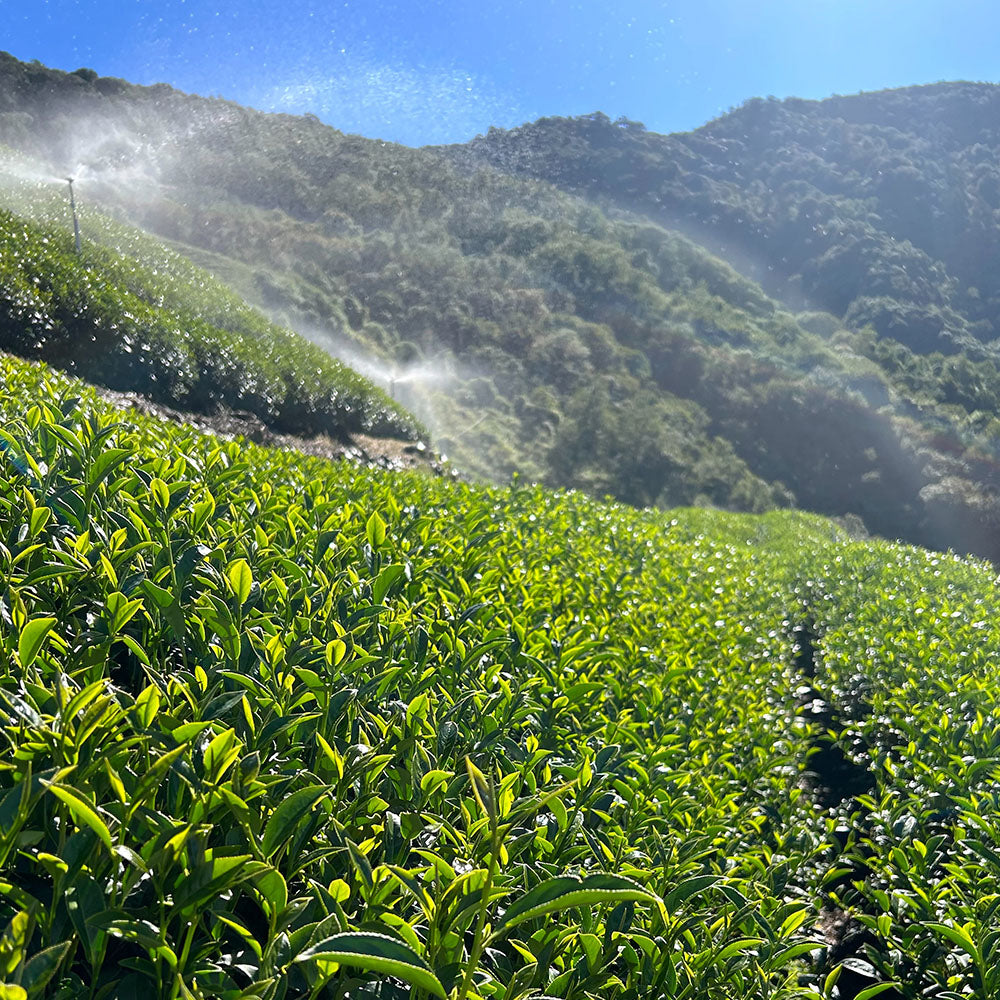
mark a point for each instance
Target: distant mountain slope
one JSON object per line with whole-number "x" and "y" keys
{"x": 536, "y": 330}
{"x": 881, "y": 208}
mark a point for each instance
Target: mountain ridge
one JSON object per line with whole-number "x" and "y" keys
{"x": 778, "y": 208}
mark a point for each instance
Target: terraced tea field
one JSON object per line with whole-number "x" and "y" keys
{"x": 129, "y": 314}
{"x": 279, "y": 728}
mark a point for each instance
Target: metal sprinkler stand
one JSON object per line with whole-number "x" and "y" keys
{"x": 76, "y": 224}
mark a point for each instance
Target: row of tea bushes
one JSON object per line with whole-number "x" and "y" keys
{"x": 278, "y": 728}
{"x": 909, "y": 651}
{"x": 148, "y": 321}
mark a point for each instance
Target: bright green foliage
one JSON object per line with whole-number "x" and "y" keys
{"x": 148, "y": 321}
{"x": 277, "y": 728}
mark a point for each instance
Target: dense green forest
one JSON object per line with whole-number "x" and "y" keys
{"x": 880, "y": 208}
{"x": 575, "y": 339}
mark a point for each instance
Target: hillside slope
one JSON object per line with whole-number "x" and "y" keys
{"x": 881, "y": 208}
{"x": 278, "y": 728}
{"x": 128, "y": 314}
{"x": 533, "y": 330}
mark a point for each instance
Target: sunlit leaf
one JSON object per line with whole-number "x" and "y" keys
{"x": 376, "y": 953}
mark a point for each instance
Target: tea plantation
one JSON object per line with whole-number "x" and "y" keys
{"x": 130, "y": 315}
{"x": 278, "y": 728}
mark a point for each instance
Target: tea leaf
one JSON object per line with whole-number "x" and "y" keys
{"x": 376, "y": 953}
{"x": 240, "y": 579}
{"x": 870, "y": 992}
{"x": 82, "y": 812}
{"x": 42, "y": 966}
{"x": 32, "y": 638}
{"x": 564, "y": 892}
{"x": 375, "y": 530}
{"x": 287, "y": 816}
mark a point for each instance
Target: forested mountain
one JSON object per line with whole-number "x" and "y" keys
{"x": 572, "y": 335}
{"x": 882, "y": 208}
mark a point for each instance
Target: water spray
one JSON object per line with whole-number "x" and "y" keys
{"x": 76, "y": 224}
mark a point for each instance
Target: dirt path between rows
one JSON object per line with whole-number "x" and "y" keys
{"x": 372, "y": 452}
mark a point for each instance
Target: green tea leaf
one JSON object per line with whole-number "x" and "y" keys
{"x": 386, "y": 580}
{"x": 105, "y": 464}
{"x": 873, "y": 991}
{"x": 82, "y": 812}
{"x": 376, "y": 953}
{"x": 207, "y": 880}
{"x": 957, "y": 935}
{"x": 375, "y": 530}
{"x": 361, "y": 863}
{"x": 336, "y": 650}
{"x": 481, "y": 788}
{"x": 738, "y": 947}
{"x": 688, "y": 888}
{"x": 42, "y": 966}
{"x": 287, "y": 815}
{"x": 240, "y": 579}
{"x": 39, "y": 518}
{"x": 32, "y": 638}
{"x": 220, "y": 754}
{"x": 567, "y": 891}
{"x": 160, "y": 493}
{"x": 85, "y": 901}
{"x": 139, "y": 652}
{"x": 189, "y": 730}
{"x": 147, "y": 704}
{"x": 270, "y": 883}
{"x": 121, "y": 610}
{"x": 13, "y": 942}
{"x": 160, "y": 597}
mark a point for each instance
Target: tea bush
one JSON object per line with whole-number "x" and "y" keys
{"x": 149, "y": 321}
{"x": 274, "y": 727}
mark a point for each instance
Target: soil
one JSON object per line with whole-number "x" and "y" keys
{"x": 833, "y": 778}
{"x": 372, "y": 452}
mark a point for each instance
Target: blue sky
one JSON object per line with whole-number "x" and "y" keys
{"x": 444, "y": 70}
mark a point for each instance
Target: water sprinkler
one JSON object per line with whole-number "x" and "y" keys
{"x": 76, "y": 224}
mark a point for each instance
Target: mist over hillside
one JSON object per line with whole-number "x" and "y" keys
{"x": 575, "y": 336}
{"x": 881, "y": 208}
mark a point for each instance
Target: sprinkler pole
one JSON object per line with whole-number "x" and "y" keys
{"x": 76, "y": 224}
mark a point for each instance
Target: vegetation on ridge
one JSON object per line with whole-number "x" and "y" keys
{"x": 881, "y": 208}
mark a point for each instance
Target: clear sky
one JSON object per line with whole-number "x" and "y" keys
{"x": 424, "y": 71}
